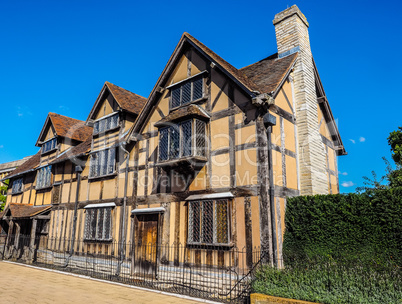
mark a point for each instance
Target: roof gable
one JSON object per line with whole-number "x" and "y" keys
{"x": 187, "y": 40}
{"x": 265, "y": 76}
{"x": 65, "y": 127}
{"x": 126, "y": 100}
{"x": 268, "y": 74}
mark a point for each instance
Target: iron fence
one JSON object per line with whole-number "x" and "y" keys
{"x": 216, "y": 273}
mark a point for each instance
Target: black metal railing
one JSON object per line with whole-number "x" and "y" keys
{"x": 210, "y": 272}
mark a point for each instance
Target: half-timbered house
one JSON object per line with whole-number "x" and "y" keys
{"x": 202, "y": 166}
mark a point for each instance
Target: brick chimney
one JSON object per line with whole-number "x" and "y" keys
{"x": 291, "y": 28}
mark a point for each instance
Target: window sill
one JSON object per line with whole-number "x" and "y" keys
{"x": 17, "y": 193}
{"x": 50, "y": 151}
{"x": 98, "y": 241}
{"x": 210, "y": 246}
{"x": 188, "y": 161}
{"x": 44, "y": 188}
{"x": 199, "y": 100}
{"x": 105, "y": 132}
{"x": 95, "y": 178}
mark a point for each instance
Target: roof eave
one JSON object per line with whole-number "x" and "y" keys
{"x": 329, "y": 112}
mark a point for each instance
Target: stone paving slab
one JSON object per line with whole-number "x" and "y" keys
{"x": 22, "y": 284}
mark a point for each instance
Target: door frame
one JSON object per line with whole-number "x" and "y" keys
{"x": 159, "y": 212}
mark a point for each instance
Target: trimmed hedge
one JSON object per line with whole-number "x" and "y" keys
{"x": 366, "y": 226}
{"x": 342, "y": 248}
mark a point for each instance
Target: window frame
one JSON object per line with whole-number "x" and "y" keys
{"x": 181, "y": 84}
{"x": 190, "y": 230}
{"x": 52, "y": 147}
{"x": 96, "y": 154}
{"x": 39, "y": 177}
{"x": 93, "y": 214}
{"x": 194, "y": 149}
{"x": 106, "y": 117}
{"x": 20, "y": 186}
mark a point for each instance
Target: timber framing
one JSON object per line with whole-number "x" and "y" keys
{"x": 206, "y": 162}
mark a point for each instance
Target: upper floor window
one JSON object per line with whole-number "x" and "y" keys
{"x": 208, "y": 222}
{"x": 49, "y": 145}
{"x": 43, "y": 179}
{"x": 106, "y": 123}
{"x": 182, "y": 139}
{"x": 17, "y": 186}
{"x": 98, "y": 224}
{"x": 102, "y": 163}
{"x": 187, "y": 91}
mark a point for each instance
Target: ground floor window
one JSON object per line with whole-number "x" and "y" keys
{"x": 208, "y": 222}
{"x": 98, "y": 224}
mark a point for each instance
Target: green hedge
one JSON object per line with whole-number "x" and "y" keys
{"x": 343, "y": 248}
{"x": 366, "y": 226}
{"x": 331, "y": 282}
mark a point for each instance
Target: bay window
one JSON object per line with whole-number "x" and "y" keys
{"x": 182, "y": 139}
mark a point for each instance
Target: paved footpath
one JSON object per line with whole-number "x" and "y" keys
{"x": 22, "y": 284}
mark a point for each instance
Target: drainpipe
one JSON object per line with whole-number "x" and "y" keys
{"x": 78, "y": 170}
{"x": 123, "y": 233}
{"x": 269, "y": 121}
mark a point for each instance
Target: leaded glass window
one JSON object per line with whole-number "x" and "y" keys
{"x": 17, "y": 185}
{"x": 182, "y": 139}
{"x": 186, "y": 92}
{"x": 208, "y": 222}
{"x": 43, "y": 179}
{"x": 107, "y": 123}
{"x": 98, "y": 224}
{"x": 102, "y": 163}
{"x": 49, "y": 145}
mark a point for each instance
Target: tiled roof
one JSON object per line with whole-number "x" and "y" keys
{"x": 24, "y": 210}
{"x": 188, "y": 111}
{"x": 127, "y": 100}
{"x": 227, "y": 66}
{"x": 30, "y": 164}
{"x": 9, "y": 166}
{"x": 70, "y": 127}
{"x": 268, "y": 73}
{"x": 78, "y": 150}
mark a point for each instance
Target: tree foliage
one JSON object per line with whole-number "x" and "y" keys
{"x": 3, "y": 194}
{"x": 395, "y": 142}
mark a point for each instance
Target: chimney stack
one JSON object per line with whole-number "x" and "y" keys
{"x": 291, "y": 28}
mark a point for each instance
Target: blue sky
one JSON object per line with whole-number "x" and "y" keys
{"x": 56, "y": 55}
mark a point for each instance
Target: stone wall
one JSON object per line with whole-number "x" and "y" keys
{"x": 291, "y": 28}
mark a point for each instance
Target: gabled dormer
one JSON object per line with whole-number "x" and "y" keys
{"x": 112, "y": 115}
{"x": 114, "y": 109}
{"x": 58, "y": 135}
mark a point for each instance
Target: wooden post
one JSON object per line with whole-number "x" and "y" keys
{"x": 17, "y": 237}
{"x": 7, "y": 244}
{"x": 32, "y": 241}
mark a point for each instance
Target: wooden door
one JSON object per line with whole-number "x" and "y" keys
{"x": 146, "y": 245}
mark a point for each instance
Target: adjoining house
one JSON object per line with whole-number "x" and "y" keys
{"x": 206, "y": 162}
